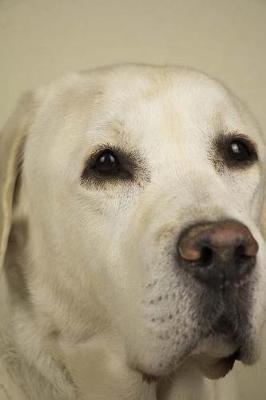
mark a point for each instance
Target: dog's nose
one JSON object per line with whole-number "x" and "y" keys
{"x": 218, "y": 253}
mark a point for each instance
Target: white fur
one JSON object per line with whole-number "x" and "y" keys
{"x": 94, "y": 265}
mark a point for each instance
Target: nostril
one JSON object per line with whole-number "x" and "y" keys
{"x": 244, "y": 261}
{"x": 240, "y": 254}
{"x": 206, "y": 256}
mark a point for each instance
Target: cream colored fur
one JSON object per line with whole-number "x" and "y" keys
{"x": 82, "y": 265}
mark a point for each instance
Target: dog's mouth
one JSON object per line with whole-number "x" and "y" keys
{"x": 216, "y": 355}
{"x": 223, "y": 335}
{"x": 214, "y": 368}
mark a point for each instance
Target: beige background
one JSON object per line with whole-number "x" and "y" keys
{"x": 41, "y": 39}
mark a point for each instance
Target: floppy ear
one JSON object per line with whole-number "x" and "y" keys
{"x": 12, "y": 138}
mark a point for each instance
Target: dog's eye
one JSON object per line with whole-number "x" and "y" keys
{"x": 236, "y": 151}
{"x": 107, "y": 163}
{"x": 239, "y": 150}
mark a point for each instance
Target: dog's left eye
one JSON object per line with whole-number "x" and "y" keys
{"x": 237, "y": 151}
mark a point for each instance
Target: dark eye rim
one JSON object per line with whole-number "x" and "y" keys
{"x": 223, "y": 143}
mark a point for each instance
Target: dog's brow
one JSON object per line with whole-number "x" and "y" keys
{"x": 118, "y": 128}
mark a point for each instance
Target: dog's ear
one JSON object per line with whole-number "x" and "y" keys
{"x": 12, "y": 139}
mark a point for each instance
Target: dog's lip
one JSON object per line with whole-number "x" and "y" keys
{"x": 215, "y": 368}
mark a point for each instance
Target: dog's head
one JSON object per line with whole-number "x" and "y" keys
{"x": 141, "y": 190}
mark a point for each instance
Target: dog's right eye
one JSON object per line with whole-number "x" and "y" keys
{"x": 109, "y": 164}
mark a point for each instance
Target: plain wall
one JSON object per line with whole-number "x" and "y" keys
{"x": 42, "y": 39}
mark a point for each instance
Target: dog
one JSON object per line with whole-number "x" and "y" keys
{"x": 132, "y": 250}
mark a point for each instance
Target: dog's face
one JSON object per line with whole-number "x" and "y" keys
{"x": 143, "y": 191}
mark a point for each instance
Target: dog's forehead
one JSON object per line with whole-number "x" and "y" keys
{"x": 139, "y": 105}
{"x": 136, "y": 92}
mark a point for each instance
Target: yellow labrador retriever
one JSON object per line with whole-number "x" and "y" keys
{"x": 132, "y": 258}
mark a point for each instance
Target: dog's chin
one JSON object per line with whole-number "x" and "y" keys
{"x": 211, "y": 368}
{"x": 214, "y": 356}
